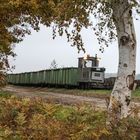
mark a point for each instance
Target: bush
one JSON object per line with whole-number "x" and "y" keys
{"x": 26, "y": 119}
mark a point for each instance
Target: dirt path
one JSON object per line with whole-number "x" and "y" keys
{"x": 32, "y": 92}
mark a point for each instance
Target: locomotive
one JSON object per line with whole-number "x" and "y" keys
{"x": 88, "y": 74}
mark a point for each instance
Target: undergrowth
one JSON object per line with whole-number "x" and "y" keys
{"x": 34, "y": 119}
{"x": 5, "y": 94}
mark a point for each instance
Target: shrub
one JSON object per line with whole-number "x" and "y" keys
{"x": 34, "y": 119}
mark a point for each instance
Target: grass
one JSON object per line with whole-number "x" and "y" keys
{"x": 5, "y": 94}
{"x": 78, "y": 92}
{"x": 136, "y": 94}
{"x": 91, "y": 93}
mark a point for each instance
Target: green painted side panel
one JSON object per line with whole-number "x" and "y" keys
{"x": 40, "y": 77}
{"x": 64, "y": 76}
{"x": 27, "y": 78}
{"x": 34, "y": 78}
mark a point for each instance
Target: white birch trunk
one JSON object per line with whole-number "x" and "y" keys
{"x": 121, "y": 94}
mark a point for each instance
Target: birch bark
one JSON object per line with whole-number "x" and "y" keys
{"x": 124, "y": 84}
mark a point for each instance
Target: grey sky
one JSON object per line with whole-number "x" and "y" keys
{"x": 38, "y": 50}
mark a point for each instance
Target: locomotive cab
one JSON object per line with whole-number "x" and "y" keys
{"x": 90, "y": 74}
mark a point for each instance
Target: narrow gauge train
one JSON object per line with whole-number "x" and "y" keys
{"x": 88, "y": 74}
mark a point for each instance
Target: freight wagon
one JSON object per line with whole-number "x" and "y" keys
{"x": 54, "y": 77}
{"x": 87, "y": 74}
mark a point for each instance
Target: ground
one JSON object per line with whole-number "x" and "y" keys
{"x": 64, "y": 96}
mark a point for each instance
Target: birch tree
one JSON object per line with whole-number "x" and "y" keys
{"x": 109, "y": 19}
{"x": 121, "y": 94}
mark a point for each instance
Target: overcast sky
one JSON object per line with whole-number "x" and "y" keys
{"x": 38, "y": 50}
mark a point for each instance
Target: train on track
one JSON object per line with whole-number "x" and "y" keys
{"x": 87, "y": 75}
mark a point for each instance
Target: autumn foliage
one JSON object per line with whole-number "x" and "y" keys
{"x": 18, "y": 17}
{"x": 26, "y": 119}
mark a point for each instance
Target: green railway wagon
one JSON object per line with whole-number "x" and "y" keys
{"x": 52, "y": 74}
{"x": 9, "y": 78}
{"x": 46, "y": 77}
{"x": 87, "y": 74}
{"x": 51, "y": 77}
{"x": 15, "y": 79}
{"x": 35, "y": 78}
{"x": 58, "y": 77}
{"x": 74, "y": 76}
{"x": 64, "y": 76}
{"x": 28, "y": 78}
{"x": 31, "y": 75}
{"x": 24, "y": 78}
{"x": 40, "y": 77}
